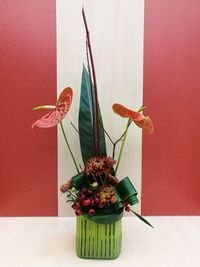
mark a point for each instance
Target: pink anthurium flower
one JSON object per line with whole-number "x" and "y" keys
{"x": 137, "y": 117}
{"x": 58, "y": 112}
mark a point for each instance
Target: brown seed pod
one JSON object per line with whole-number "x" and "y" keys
{"x": 112, "y": 179}
{"x": 65, "y": 187}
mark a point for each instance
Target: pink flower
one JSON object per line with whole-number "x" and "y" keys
{"x": 138, "y": 118}
{"x": 59, "y": 111}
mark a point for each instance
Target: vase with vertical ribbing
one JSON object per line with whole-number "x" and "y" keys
{"x": 98, "y": 240}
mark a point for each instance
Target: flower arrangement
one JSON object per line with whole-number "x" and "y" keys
{"x": 95, "y": 192}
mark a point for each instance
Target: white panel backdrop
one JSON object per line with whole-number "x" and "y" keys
{"x": 116, "y": 30}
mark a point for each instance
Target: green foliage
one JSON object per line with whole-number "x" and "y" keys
{"x": 86, "y": 122}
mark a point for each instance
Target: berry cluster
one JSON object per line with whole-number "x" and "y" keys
{"x": 88, "y": 201}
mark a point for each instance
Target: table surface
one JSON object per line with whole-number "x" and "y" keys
{"x": 50, "y": 241}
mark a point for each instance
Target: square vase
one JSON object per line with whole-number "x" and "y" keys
{"x": 98, "y": 240}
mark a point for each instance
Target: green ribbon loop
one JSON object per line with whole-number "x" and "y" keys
{"x": 119, "y": 204}
{"x": 125, "y": 191}
{"x": 79, "y": 181}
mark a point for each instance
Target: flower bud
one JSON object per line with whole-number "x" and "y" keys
{"x": 65, "y": 187}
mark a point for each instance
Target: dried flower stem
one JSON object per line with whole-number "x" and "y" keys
{"x": 116, "y": 142}
{"x": 74, "y": 127}
{"x": 106, "y": 133}
{"x": 94, "y": 80}
{"x": 101, "y": 179}
{"x": 94, "y": 177}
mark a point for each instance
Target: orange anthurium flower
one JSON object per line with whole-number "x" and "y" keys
{"x": 140, "y": 120}
{"x": 59, "y": 111}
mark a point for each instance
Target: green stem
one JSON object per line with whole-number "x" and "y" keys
{"x": 124, "y": 139}
{"x": 68, "y": 146}
{"x": 122, "y": 146}
{"x": 94, "y": 178}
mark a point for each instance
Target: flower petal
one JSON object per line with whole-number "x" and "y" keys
{"x": 127, "y": 113}
{"x": 64, "y": 101}
{"x": 140, "y": 120}
{"x": 49, "y": 120}
{"x": 146, "y": 124}
{"x": 57, "y": 115}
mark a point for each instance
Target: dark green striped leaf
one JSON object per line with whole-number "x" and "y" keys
{"x": 86, "y": 123}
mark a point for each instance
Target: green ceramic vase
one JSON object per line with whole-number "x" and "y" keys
{"x": 98, "y": 240}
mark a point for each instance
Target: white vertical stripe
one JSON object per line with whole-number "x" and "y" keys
{"x": 116, "y": 29}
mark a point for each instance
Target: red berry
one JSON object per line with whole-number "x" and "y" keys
{"x": 91, "y": 212}
{"x": 86, "y": 202}
{"x": 101, "y": 205}
{"x": 96, "y": 200}
{"x": 89, "y": 192}
{"x": 125, "y": 203}
{"x": 78, "y": 212}
{"x": 92, "y": 203}
{"x": 82, "y": 196}
{"x": 77, "y": 205}
{"x": 73, "y": 206}
{"x": 127, "y": 208}
{"x": 84, "y": 190}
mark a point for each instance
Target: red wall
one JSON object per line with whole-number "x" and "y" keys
{"x": 171, "y": 156}
{"x": 27, "y": 78}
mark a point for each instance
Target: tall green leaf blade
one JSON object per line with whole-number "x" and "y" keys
{"x": 86, "y": 121}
